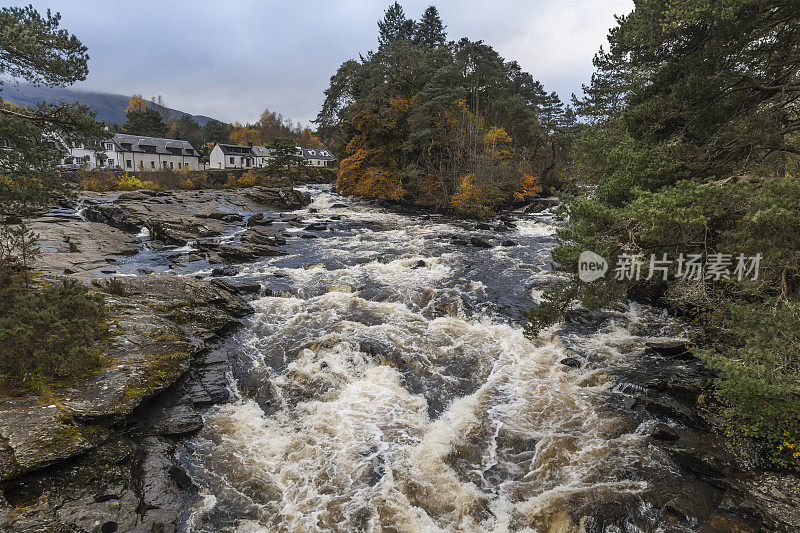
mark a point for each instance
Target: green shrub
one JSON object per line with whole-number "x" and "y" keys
{"x": 48, "y": 333}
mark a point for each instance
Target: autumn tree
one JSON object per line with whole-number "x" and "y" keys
{"x": 245, "y": 135}
{"x": 143, "y": 120}
{"x": 309, "y": 140}
{"x": 415, "y": 117}
{"x": 137, "y": 103}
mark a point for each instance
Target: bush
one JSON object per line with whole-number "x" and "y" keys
{"x": 49, "y": 333}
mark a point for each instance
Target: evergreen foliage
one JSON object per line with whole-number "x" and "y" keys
{"x": 693, "y": 148}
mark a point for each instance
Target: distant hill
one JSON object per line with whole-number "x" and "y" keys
{"x": 110, "y": 107}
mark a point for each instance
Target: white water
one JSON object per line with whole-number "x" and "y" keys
{"x": 382, "y": 394}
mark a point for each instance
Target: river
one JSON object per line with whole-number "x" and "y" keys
{"x": 385, "y": 384}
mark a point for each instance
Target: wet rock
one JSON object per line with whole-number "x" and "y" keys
{"x": 309, "y": 236}
{"x": 572, "y": 362}
{"x": 483, "y": 226}
{"x": 664, "y": 432}
{"x": 508, "y": 243}
{"x": 225, "y": 217}
{"x": 239, "y": 253}
{"x": 226, "y": 270}
{"x": 673, "y": 348}
{"x": 479, "y": 243}
{"x": 339, "y": 206}
{"x": 419, "y": 264}
{"x": 262, "y": 236}
{"x": 316, "y": 226}
{"x": 259, "y": 219}
{"x": 281, "y": 198}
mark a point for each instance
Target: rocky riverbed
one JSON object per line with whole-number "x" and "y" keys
{"x": 293, "y": 360}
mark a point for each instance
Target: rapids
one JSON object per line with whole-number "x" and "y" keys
{"x": 385, "y": 384}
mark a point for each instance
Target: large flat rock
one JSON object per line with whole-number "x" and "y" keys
{"x": 157, "y": 326}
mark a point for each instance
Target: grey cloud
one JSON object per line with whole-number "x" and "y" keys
{"x": 231, "y": 60}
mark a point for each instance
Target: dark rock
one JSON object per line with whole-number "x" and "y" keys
{"x": 483, "y": 226}
{"x": 663, "y": 432}
{"x": 573, "y": 362}
{"x": 339, "y": 206}
{"x": 673, "y": 348}
{"x": 241, "y": 253}
{"x": 419, "y": 264}
{"x": 309, "y": 236}
{"x": 508, "y": 243}
{"x": 226, "y": 270}
{"x": 12, "y": 220}
{"x": 316, "y": 226}
{"x": 479, "y": 243}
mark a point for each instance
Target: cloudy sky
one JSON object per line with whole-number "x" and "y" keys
{"x": 232, "y": 59}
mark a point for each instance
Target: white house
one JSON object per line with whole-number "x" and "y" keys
{"x": 232, "y": 156}
{"x": 134, "y": 152}
{"x": 318, "y": 157}
{"x": 240, "y": 156}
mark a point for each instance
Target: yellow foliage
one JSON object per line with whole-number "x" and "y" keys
{"x": 136, "y": 103}
{"x": 498, "y": 144}
{"x": 474, "y": 199}
{"x": 528, "y": 188}
{"x": 244, "y": 135}
{"x": 248, "y": 179}
{"x": 108, "y": 181}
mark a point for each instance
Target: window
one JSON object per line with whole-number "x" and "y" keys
{"x": 152, "y": 164}
{"x": 128, "y": 163}
{"x": 107, "y": 146}
{"x": 170, "y": 165}
{"x": 232, "y": 161}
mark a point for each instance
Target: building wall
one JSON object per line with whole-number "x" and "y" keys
{"x": 120, "y": 160}
{"x": 143, "y": 161}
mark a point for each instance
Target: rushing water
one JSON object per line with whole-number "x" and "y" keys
{"x": 386, "y": 385}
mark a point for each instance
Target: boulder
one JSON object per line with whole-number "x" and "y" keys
{"x": 479, "y": 243}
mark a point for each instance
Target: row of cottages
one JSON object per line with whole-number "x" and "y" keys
{"x": 134, "y": 152}
{"x": 245, "y": 156}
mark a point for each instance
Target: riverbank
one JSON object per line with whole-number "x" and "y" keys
{"x": 339, "y": 337}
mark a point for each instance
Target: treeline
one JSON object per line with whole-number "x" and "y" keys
{"x": 693, "y": 147}
{"x": 142, "y": 118}
{"x": 442, "y": 123}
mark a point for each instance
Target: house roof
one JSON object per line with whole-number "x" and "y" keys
{"x": 162, "y": 146}
{"x": 318, "y": 153}
{"x": 261, "y": 151}
{"x": 235, "y": 149}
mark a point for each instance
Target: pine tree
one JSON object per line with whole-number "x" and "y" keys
{"x": 395, "y": 26}
{"x": 429, "y": 31}
{"x": 144, "y": 121}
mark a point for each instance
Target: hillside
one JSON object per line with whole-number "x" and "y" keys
{"x": 110, "y": 107}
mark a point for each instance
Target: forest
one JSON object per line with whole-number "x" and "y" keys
{"x": 440, "y": 123}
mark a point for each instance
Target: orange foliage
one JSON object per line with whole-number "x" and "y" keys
{"x": 309, "y": 140}
{"x": 528, "y": 188}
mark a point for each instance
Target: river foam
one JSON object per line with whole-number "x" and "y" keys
{"x": 391, "y": 389}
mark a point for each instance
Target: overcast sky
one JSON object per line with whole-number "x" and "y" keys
{"x": 231, "y": 59}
